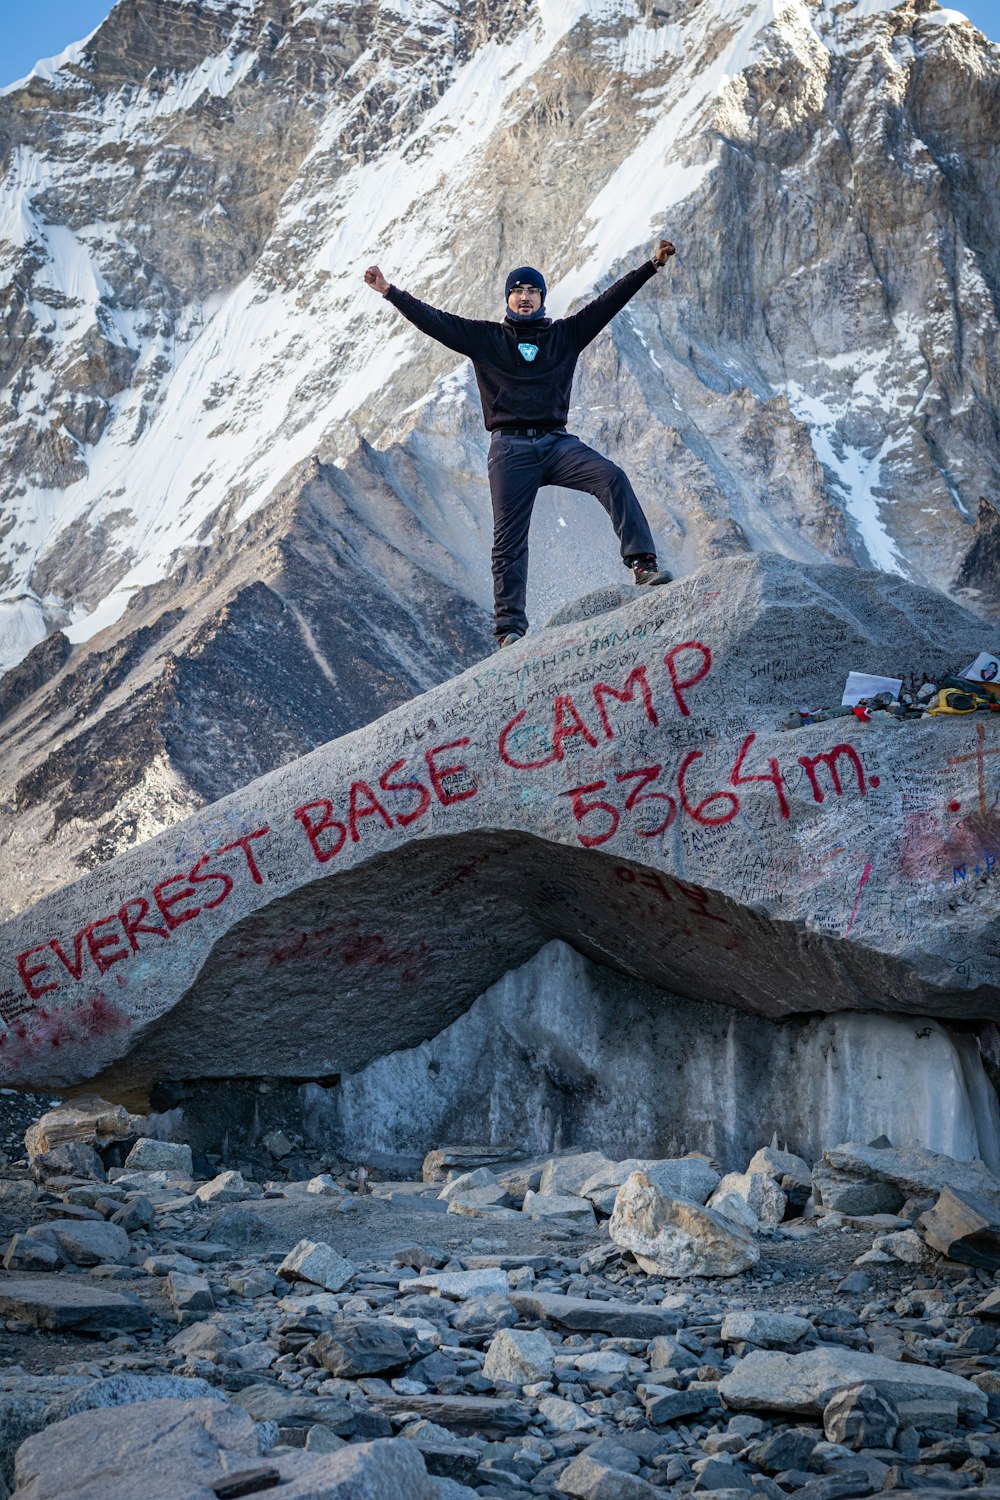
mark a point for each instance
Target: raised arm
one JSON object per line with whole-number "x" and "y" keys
{"x": 464, "y": 335}
{"x": 588, "y": 322}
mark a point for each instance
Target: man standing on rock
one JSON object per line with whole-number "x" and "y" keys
{"x": 524, "y": 368}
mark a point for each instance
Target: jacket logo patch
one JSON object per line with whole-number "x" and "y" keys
{"x": 527, "y": 351}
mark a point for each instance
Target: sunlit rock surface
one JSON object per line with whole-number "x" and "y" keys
{"x": 618, "y": 781}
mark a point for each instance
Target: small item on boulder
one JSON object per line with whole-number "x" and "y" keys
{"x": 865, "y": 687}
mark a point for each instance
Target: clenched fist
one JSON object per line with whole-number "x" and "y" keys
{"x": 375, "y": 279}
{"x": 663, "y": 252}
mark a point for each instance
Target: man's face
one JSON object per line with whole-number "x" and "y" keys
{"x": 524, "y": 298}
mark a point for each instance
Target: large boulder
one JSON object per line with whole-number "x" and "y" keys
{"x": 859, "y": 1179}
{"x": 803, "y": 1384}
{"x": 675, "y": 1238}
{"x": 620, "y": 780}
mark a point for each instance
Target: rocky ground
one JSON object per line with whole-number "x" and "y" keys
{"x": 171, "y": 1334}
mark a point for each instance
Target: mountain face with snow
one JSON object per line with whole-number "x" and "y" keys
{"x": 243, "y": 503}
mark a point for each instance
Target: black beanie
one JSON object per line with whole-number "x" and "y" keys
{"x": 529, "y": 276}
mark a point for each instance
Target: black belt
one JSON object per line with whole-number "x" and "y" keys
{"x": 528, "y": 432}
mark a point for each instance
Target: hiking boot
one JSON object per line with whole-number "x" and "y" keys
{"x": 510, "y": 639}
{"x": 645, "y": 571}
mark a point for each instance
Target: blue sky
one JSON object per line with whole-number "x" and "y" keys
{"x": 31, "y": 29}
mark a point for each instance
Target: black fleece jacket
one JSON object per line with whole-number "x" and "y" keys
{"x": 518, "y": 391}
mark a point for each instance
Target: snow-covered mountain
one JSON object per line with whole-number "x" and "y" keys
{"x": 253, "y": 498}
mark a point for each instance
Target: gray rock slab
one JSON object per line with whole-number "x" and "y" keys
{"x": 59, "y": 1304}
{"x": 88, "y": 1243}
{"x": 768, "y": 1330}
{"x": 361, "y": 1346}
{"x": 273, "y": 1403}
{"x": 682, "y": 1177}
{"x": 329, "y": 905}
{"x": 159, "y": 1156}
{"x": 519, "y": 1356}
{"x": 459, "y": 1285}
{"x": 587, "y": 1478}
{"x": 492, "y": 1418}
{"x": 190, "y": 1296}
{"x": 176, "y": 1447}
{"x": 593, "y": 1315}
{"x": 566, "y": 1175}
{"x": 88, "y": 1119}
{"x": 461, "y": 1159}
{"x": 315, "y": 1262}
{"x": 387, "y": 1469}
{"x": 803, "y": 1384}
{"x": 913, "y": 1170}
{"x": 130, "y": 1389}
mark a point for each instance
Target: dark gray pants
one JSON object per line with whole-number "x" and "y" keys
{"x": 518, "y": 467}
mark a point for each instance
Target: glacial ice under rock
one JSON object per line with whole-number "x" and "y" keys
{"x": 566, "y": 1052}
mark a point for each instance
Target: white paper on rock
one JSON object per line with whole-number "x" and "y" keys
{"x": 985, "y": 668}
{"x": 865, "y": 685}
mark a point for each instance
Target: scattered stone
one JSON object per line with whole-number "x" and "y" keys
{"x": 480, "y": 1317}
{"x": 137, "y": 1215}
{"x": 228, "y": 1187}
{"x": 558, "y": 1206}
{"x": 63, "y": 1304}
{"x": 965, "y": 1228}
{"x": 460, "y": 1284}
{"x": 325, "y": 1186}
{"x": 87, "y": 1120}
{"x": 671, "y": 1237}
{"x": 129, "y": 1389}
{"x": 316, "y": 1262}
{"x": 788, "y": 1449}
{"x": 87, "y": 1243}
{"x": 565, "y": 1416}
{"x": 866, "y": 1179}
{"x": 180, "y": 1445}
{"x": 277, "y": 1143}
{"x": 201, "y": 1339}
{"x": 759, "y": 1191}
{"x": 736, "y": 1209}
{"x": 437, "y": 1164}
{"x": 482, "y": 1415}
{"x": 28, "y": 1253}
{"x": 663, "y": 1406}
{"x": 860, "y": 1417}
{"x": 74, "y": 1159}
{"x": 625, "y": 1320}
{"x": 273, "y": 1403}
{"x": 159, "y": 1156}
{"x": 722, "y": 1476}
{"x": 361, "y": 1346}
{"x": 767, "y": 1330}
{"x": 779, "y": 1164}
{"x": 566, "y": 1175}
{"x": 587, "y": 1478}
{"x": 190, "y": 1296}
{"x": 688, "y": 1177}
{"x": 805, "y": 1383}
{"x": 247, "y": 1482}
{"x": 519, "y": 1357}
